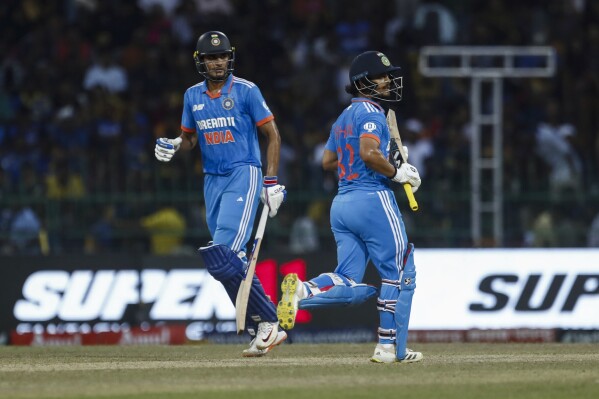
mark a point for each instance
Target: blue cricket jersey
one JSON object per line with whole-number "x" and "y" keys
{"x": 363, "y": 118}
{"x": 226, "y": 124}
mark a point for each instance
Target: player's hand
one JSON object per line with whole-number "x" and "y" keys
{"x": 166, "y": 148}
{"x": 407, "y": 173}
{"x": 272, "y": 195}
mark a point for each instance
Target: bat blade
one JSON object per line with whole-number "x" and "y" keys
{"x": 243, "y": 295}
{"x": 394, "y": 132}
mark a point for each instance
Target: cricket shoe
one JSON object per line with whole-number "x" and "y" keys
{"x": 292, "y": 292}
{"x": 385, "y": 353}
{"x": 267, "y": 334}
{"x": 253, "y": 350}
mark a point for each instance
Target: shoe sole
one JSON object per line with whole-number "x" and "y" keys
{"x": 245, "y": 353}
{"x": 374, "y": 360}
{"x": 287, "y": 309}
{"x": 415, "y": 359}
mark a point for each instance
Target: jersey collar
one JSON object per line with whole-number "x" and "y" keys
{"x": 366, "y": 100}
{"x": 225, "y": 90}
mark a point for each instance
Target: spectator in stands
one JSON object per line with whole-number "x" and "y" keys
{"x": 434, "y": 23}
{"x": 353, "y": 30}
{"x": 168, "y": 7}
{"x": 593, "y": 233}
{"x": 215, "y": 8}
{"x": 106, "y": 74}
{"x": 101, "y": 237}
{"x": 544, "y": 230}
{"x": 51, "y": 92}
{"x": 63, "y": 183}
{"x": 166, "y": 227}
{"x": 25, "y": 228}
{"x": 556, "y": 150}
{"x": 304, "y": 231}
{"x": 420, "y": 146}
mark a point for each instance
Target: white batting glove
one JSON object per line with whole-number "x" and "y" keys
{"x": 272, "y": 195}
{"x": 166, "y": 148}
{"x": 407, "y": 173}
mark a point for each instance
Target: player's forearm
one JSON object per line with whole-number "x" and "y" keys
{"x": 273, "y": 149}
{"x": 189, "y": 140}
{"x": 273, "y": 152}
{"x": 375, "y": 160}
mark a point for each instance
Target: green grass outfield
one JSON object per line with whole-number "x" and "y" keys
{"x": 300, "y": 371}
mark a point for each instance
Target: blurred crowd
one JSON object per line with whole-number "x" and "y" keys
{"x": 86, "y": 86}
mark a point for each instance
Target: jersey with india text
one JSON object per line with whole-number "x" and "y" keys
{"x": 226, "y": 123}
{"x": 363, "y": 118}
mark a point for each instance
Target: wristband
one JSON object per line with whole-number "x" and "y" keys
{"x": 270, "y": 180}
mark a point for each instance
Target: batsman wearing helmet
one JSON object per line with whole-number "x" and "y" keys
{"x": 223, "y": 114}
{"x": 365, "y": 218}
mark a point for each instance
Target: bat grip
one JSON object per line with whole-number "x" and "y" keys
{"x": 411, "y": 198}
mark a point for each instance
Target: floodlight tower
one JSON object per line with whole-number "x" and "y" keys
{"x": 487, "y": 65}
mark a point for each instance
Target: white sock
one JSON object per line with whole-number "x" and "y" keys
{"x": 302, "y": 291}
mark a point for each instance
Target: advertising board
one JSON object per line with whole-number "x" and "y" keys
{"x": 456, "y": 290}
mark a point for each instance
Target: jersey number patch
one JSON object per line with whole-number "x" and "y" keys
{"x": 345, "y": 165}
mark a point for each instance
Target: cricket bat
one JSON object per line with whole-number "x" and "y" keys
{"x": 394, "y": 131}
{"x": 243, "y": 295}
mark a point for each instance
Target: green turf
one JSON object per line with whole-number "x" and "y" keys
{"x": 300, "y": 371}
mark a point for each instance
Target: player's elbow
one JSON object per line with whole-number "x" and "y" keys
{"x": 368, "y": 156}
{"x": 329, "y": 167}
{"x": 329, "y": 160}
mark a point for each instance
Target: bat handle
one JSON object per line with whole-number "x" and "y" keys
{"x": 411, "y": 198}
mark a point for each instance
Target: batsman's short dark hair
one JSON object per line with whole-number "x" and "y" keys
{"x": 351, "y": 89}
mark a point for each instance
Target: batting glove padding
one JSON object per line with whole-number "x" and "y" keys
{"x": 166, "y": 148}
{"x": 395, "y": 155}
{"x": 407, "y": 173}
{"x": 272, "y": 195}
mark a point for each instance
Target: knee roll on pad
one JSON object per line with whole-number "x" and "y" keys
{"x": 225, "y": 266}
{"x": 340, "y": 295}
{"x": 222, "y": 263}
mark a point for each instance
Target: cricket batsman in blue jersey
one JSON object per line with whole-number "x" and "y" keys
{"x": 365, "y": 218}
{"x": 223, "y": 114}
